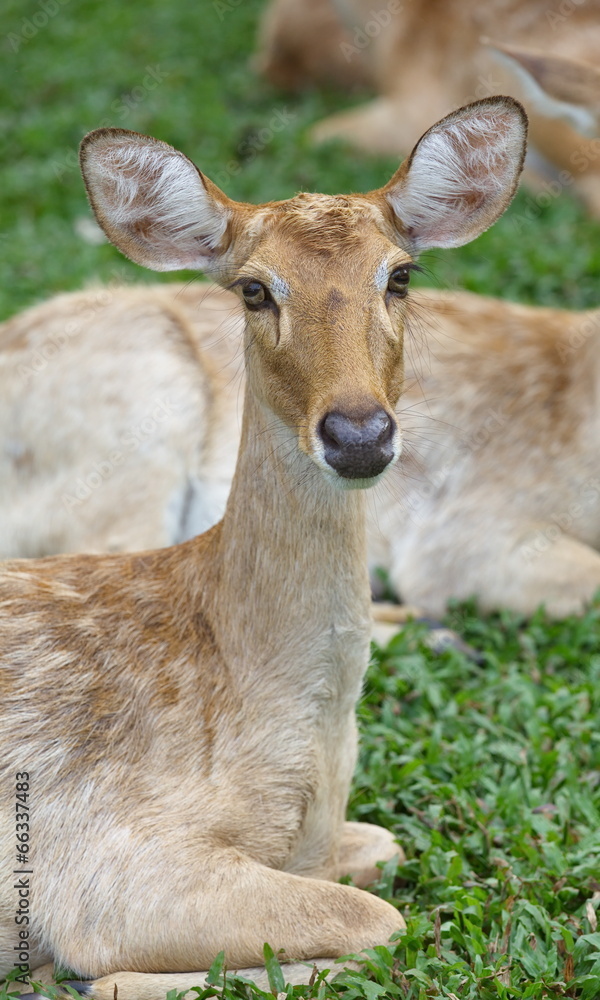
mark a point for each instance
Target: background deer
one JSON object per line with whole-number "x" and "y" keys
{"x": 120, "y": 415}
{"x": 497, "y": 493}
{"x": 428, "y": 57}
{"x": 494, "y": 495}
{"x": 141, "y": 680}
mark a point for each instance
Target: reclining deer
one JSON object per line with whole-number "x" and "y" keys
{"x": 174, "y": 816}
{"x": 425, "y": 58}
{"x": 497, "y": 494}
{"x": 484, "y": 500}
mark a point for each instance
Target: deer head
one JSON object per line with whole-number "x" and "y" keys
{"x": 323, "y": 279}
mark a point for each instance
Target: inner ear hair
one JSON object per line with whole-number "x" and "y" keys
{"x": 152, "y": 201}
{"x": 461, "y": 175}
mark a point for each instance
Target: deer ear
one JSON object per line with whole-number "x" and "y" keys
{"x": 152, "y": 202}
{"x": 556, "y": 86}
{"x": 461, "y": 175}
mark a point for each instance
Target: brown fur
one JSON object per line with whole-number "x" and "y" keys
{"x": 167, "y": 446}
{"x": 437, "y": 54}
{"x": 498, "y": 414}
{"x": 172, "y": 815}
{"x": 301, "y": 42}
{"x": 496, "y": 495}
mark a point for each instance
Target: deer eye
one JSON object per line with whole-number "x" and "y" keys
{"x": 398, "y": 281}
{"x": 255, "y": 294}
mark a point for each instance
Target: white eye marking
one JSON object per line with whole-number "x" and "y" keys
{"x": 280, "y": 288}
{"x": 382, "y": 276}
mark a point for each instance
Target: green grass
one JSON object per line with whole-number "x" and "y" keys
{"x": 179, "y": 71}
{"x": 491, "y": 777}
{"x": 489, "y": 774}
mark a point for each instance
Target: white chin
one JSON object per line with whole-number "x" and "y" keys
{"x": 341, "y": 483}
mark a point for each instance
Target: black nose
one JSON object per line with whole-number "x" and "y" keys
{"x": 358, "y": 447}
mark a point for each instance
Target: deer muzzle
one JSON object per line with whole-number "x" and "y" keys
{"x": 358, "y": 447}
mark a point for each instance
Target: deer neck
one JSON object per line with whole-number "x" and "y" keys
{"x": 293, "y": 594}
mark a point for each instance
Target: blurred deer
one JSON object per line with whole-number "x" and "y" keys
{"x": 424, "y": 58}
{"x": 120, "y": 414}
{"x": 497, "y": 494}
{"x": 494, "y": 495}
{"x": 184, "y": 718}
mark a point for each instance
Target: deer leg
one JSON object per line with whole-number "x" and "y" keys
{"x": 394, "y": 614}
{"x": 519, "y": 566}
{"x": 147, "y": 986}
{"x": 555, "y": 570}
{"x": 376, "y": 127}
{"x": 234, "y": 904}
{"x": 361, "y": 847}
{"x": 43, "y": 974}
{"x": 387, "y": 619}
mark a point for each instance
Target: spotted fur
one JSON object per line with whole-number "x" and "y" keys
{"x": 189, "y": 711}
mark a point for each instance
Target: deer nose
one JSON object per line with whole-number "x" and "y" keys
{"x": 358, "y": 447}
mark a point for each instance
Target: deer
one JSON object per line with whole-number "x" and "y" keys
{"x": 425, "y": 58}
{"x": 496, "y": 494}
{"x": 94, "y": 461}
{"x": 483, "y": 500}
{"x": 139, "y": 681}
